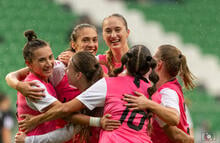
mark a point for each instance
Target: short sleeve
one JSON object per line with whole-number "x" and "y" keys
{"x": 44, "y": 102}
{"x": 170, "y": 99}
{"x": 95, "y": 95}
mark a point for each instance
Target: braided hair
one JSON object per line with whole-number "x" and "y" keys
{"x": 138, "y": 61}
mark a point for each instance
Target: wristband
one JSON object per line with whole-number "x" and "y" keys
{"x": 94, "y": 121}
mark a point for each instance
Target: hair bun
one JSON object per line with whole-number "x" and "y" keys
{"x": 148, "y": 58}
{"x": 30, "y": 35}
{"x": 97, "y": 66}
{"x": 129, "y": 55}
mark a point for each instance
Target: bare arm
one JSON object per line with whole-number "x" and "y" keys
{"x": 168, "y": 115}
{"x": 6, "y": 135}
{"x": 56, "y": 136}
{"x": 55, "y": 111}
{"x": 13, "y": 79}
{"x": 177, "y": 135}
{"x": 65, "y": 57}
{"x": 104, "y": 122}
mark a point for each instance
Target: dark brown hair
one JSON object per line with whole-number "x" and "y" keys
{"x": 86, "y": 63}
{"x": 138, "y": 61}
{"x": 75, "y": 33}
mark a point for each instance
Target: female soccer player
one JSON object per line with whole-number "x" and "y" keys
{"x": 39, "y": 59}
{"x": 115, "y": 34}
{"x": 83, "y": 38}
{"x": 170, "y": 64}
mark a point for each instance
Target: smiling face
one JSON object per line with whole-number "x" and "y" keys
{"x": 87, "y": 40}
{"x": 115, "y": 33}
{"x": 42, "y": 62}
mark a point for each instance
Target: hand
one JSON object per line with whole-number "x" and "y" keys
{"x": 20, "y": 137}
{"x": 190, "y": 139}
{"x": 31, "y": 90}
{"x": 27, "y": 124}
{"x": 139, "y": 102}
{"x": 108, "y": 124}
{"x": 65, "y": 57}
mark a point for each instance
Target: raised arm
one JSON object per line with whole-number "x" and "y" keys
{"x": 65, "y": 57}
{"x": 28, "y": 89}
{"x": 13, "y": 78}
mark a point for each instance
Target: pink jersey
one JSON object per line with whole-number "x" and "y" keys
{"x": 59, "y": 79}
{"x": 105, "y": 69}
{"x": 24, "y": 108}
{"x": 158, "y": 135}
{"x": 134, "y": 123}
{"x": 103, "y": 59}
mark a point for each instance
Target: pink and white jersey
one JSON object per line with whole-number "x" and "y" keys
{"x": 59, "y": 80}
{"x": 175, "y": 89}
{"x": 108, "y": 92}
{"x": 25, "y": 106}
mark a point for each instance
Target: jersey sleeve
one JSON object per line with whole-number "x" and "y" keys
{"x": 43, "y": 102}
{"x": 57, "y": 136}
{"x": 95, "y": 95}
{"x": 58, "y": 73}
{"x": 169, "y": 99}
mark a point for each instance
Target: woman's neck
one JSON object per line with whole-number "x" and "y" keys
{"x": 118, "y": 53}
{"x": 83, "y": 86}
{"x": 45, "y": 79}
{"x": 163, "y": 78}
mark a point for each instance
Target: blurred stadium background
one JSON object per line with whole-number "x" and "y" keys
{"x": 191, "y": 25}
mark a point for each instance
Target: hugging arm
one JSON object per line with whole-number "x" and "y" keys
{"x": 56, "y": 136}
{"x": 54, "y": 111}
{"x": 177, "y": 135}
{"x": 168, "y": 115}
{"x": 28, "y": 89}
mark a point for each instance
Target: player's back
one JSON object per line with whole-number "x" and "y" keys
{"x": 134, "y": 123}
